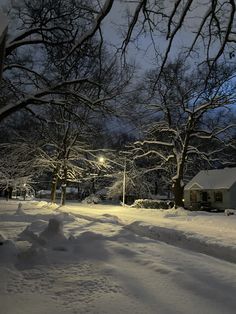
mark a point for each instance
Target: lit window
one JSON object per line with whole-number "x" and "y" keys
{"x": 218, "y": 197}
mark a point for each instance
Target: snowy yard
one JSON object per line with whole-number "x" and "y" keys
{"x": 110, "y": 259}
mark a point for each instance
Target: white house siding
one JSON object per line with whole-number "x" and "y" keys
{"x": 187, "y": 198}
{"x": 220, "y": 205}
{"x": 227, "y": 198}
{"x": 187, "y": 201}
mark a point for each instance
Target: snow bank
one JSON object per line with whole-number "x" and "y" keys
{"x": 39, "y": 203}
{"x": 45, "y": 205}
{"x": 34, "y": 255}
{"x": 30, "y": 233}
{"x": 110, "y": 219}
{"x": 176, "y": 212}
{"x": 65, "y": 217}
{"x": 185, "y": 240}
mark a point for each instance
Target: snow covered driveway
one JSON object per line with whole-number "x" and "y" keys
{"x": 102, "y": 267}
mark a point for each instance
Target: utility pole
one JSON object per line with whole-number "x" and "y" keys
{"x": 124, "y": 183}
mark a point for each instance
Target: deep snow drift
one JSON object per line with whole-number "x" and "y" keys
{"x": 53, "y": 260}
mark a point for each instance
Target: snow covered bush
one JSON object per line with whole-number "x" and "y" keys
{"x": 155, "y": 204}
{"x": 91, "y": 199}
{"x": 229, "y": 212}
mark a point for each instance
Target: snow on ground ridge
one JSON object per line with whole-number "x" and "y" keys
{"x": 187, "y": 240}
{"x": 184, "y": 240}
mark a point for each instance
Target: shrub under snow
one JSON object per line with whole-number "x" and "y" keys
{"x": 155, "y": 204}
{"x": 91, "y": 199}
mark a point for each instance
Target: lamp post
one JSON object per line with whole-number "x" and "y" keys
{"x": 124, "y": 184}
{"x": 102, "y": 161}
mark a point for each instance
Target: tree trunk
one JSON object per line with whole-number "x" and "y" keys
{"x": 178, "y": 191}
{"x": 63, "y": 186}
{"x": 93, "y": 189}
{"x": 156, "y": 188}
{"x": 63, "y": 194}
{"x": 53, "y": 189}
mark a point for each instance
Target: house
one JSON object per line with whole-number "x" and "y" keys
{"x": 212, "y": 189}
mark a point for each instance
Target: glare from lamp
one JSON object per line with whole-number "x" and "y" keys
{"x": 101, "y": 159}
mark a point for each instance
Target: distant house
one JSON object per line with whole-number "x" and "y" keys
{"x": 212, "y": 189}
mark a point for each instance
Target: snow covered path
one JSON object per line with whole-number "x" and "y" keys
{"x": 105, "y": 268}
{"x": 210, "y": 233}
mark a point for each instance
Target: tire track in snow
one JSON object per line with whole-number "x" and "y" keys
{"x": 186, "y": 240}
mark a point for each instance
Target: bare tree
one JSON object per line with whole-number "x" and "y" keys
{"x": 209, "y": 26}
{"x": 187, "y": 122}
{"x": 63, "y": 30}
{"x": 51, "y": 40}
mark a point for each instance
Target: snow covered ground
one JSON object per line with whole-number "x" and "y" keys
{"x": 110, "y": 259}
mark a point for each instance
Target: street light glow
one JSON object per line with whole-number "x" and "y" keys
{"x": 101, "y": 159}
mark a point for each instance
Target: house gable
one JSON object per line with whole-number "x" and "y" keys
{"x": 195, "y": 186}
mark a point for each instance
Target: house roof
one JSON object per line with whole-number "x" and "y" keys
{"x": 213, "y": 179}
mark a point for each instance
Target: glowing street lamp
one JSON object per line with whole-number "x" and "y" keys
{"x": 101, "y": 159}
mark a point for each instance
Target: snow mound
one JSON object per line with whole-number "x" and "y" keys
{"x": 39, "y": 203}
{"x": 110, "y": 219}
{"x": 8, "y": 250}
{"x": 20, "y": 210}
{"x": 2, "y": 238}
{"x": 229, "y": 212}
{"x": 40, "y": 232}
{"x": 66, "y": 217}
{"x": 176, "y": 212}
{"x": 53, "y": 235}
{"x": 30, "y": 233}
{"x": 33, "y": 256}
{"x": 88, "y": 235}
{"x": 51, "y": 206}
{"x": 45, "y": 205}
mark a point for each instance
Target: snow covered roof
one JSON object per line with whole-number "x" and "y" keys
{"x": 213, "y": 179}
